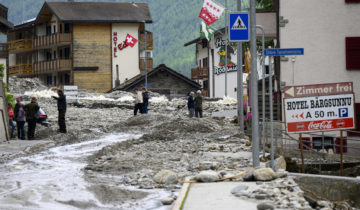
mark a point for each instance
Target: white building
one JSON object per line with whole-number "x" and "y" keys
{"x": 329, "y": 32}
{"x": 210, "y": 59}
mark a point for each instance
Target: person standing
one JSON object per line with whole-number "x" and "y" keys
{"x": 20, "y": 121}
{"x": 138, "y": 102}
{"x": 61, "y": 105}
{"x": 16, "y": 111}
{"x": 11, "y": 123}
{"x": 191, "y": 104}
{"x": 31, "y": 110}
{"x": 198, "y": 104}
{"x": 145, "y": 96}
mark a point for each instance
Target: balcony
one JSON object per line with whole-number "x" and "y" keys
{"x": 57, "y": 39}
{"x": 149, "y": 41}
{"x": 3, "y": 50}
{"x": 20, "y": 45}
{"x": 149, "y": 64}
{"x": 44, "y": 67}
{"x": 199, "y": 73}
{"x": 21, "y": 70}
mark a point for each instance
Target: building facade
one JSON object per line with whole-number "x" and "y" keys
{"x": 210, "y": 59}
{"x": 83, "y": 44}
{"x": 329, "y": 33}
{"x": 5, "y": 25}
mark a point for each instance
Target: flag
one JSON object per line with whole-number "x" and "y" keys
{"x": 210, "y": 12}
{"x": 206, "y": 31}
{"x": 130, "y": 40}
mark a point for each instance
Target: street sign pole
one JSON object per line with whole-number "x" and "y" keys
{"x": 254, "y": 87}
{"x": 240, "y": 88}
{"x": 263, "y": 89}
{"x": 271, "y": 113}
{"x": 145, "y": 58}
{"x": 226, "y": 48}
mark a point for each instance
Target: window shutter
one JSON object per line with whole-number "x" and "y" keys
{"x": 353, "y": 53}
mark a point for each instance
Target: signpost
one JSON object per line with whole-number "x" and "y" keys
{"x": 284, "y": 52}
{"x": 239, "y": 32}
{"x": 320, "y": 107}
{"x": 279, "y": 52}
{"x": 239, "y": 27}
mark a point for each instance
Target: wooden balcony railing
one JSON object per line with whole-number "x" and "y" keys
{"x": 52, "y": 66}
{"x": 199, "y": 73}
{"x": 20, "y": 44}
{"x": 149, "y": 41}
{"x": 21, "y": 70}
{"x": 149, "y": 63}
{"x": 52, "y": 40}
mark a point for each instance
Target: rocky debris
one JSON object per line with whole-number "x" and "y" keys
{"x": 264, "y": 174}
{"x": 207, "y": 176}
{"x": 281, "y": 173}
{"x": 249, "y": 177}
{"x": 166, "y": 177}
{"x": 279, "y": 193}
{"x": 280, "y": 163}
{"x": 265, "y": 206}
{"x": 167, "y": 201}
{"x": 19, "y": 86}
{"x": 239, "y": 190}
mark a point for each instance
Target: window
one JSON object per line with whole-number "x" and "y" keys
{"x": 353, "y": 53}
{"x": 204, "y": 43}
{"x": 67, "y": 28}
{"x": 54, "y": 29}
{"x": 55, "y": 80}
{"x": 205, "y": 62}
{"x": 54, "y": 55}
{"x": 60, "y": 28}
{"x": 199, "y": 63}
{"x": 48, "y": 30}
{"x": 352, "y": 1}
{"x": 148, "y": 54}
{"x": 67, "y": 53}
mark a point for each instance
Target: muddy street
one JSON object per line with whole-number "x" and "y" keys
{"x": 53, "y": 179}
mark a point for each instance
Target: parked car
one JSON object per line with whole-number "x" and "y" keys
{"x": 41, "y": 118}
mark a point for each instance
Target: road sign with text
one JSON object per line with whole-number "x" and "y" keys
{"x": 239, "y": 27}
{"x": 318, "y": 89}
{"x": 284, "y": 52}
{"x": 319, "y": 113}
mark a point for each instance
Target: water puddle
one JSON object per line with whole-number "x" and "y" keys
{"x": 53, "y": 179}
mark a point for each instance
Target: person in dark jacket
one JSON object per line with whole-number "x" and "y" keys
{"x": 191, "y": 104}
{"x": 198, "y": 104}
{"x": 16, "y": 112}
{"x": 145, "y": 95}
{"x": 31, "y": 110}
{"x": 61, "y": 104}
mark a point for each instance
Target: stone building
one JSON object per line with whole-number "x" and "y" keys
{"x": 162, "y": 80}
{"x": 83, "y": 44}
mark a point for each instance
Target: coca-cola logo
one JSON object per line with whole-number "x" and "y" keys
{"x": 324, "y": 125}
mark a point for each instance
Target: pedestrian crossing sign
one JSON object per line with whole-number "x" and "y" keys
{"x": 239, "y": 27}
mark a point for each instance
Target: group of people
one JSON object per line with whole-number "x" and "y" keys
{"x": 141, "y": 101}
{"x": 30, "y": 113}
{"x": 195, "y": 104}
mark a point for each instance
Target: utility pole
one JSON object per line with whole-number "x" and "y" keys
{"x": 240, "y": 88}
{"x": 254, "y": 87}
{"x": 226, "y": 48}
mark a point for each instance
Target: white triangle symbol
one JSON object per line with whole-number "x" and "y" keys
{"x": 239, "y": 24}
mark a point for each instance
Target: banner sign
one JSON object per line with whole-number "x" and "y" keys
{"x": 321, "y": 113}
{"x": 318, "y": 89}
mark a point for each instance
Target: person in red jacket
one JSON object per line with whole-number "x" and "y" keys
{"x": 11, "y": 123}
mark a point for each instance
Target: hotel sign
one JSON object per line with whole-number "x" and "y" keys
{"x": 129, "y": 41}
{"x": 318, "y": 89}
{"x": 319, "y": 113}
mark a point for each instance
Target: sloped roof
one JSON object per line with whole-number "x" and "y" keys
{"x": 129, "y": 85}
{"x": 100, "y": 12}
{"x": 6, "y": 23}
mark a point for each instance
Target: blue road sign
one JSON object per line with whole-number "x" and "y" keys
{"x": 239, "y": 27}
{"x": 148, "y": 84}
{"x": 283, "y": 52}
